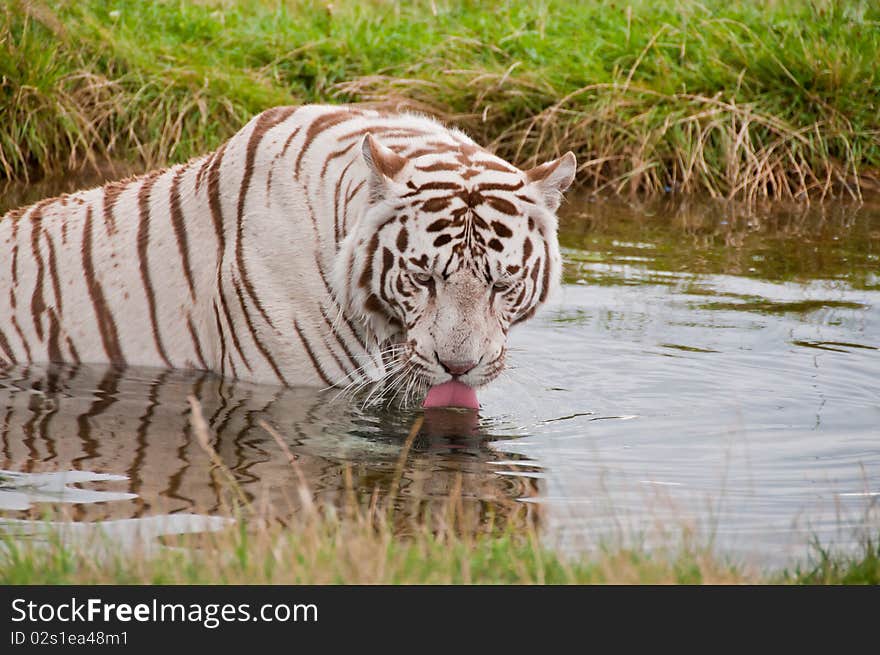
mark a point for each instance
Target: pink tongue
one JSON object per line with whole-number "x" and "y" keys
{"x": 451, "y": 394}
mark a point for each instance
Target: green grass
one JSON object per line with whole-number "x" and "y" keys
{"x": 831, "y": 568}
{"x": 328, "y": 550}
{"x": 346, "y": 553}
{"x": 726, "y": 97}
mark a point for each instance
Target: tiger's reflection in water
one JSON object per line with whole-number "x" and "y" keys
{"x": 136, "y": 422}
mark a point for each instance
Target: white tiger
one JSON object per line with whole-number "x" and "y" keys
{"x": 320, "y": 245}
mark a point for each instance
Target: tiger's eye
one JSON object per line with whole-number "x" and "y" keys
{"x": 422, "y": 278}
{"x": 502, "y": 285}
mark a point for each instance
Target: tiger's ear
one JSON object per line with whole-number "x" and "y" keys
{"x": 553, "y": 178}
{"x": 385, "y": 165}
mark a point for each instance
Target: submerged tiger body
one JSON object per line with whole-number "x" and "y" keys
{"x": 320, "y": 245}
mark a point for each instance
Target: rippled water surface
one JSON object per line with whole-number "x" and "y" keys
{"x": 708, "y": 370}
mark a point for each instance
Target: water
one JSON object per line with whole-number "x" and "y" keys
{"x": 708, "y": 371}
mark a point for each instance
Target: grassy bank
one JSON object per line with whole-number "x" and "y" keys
{"x": 327, "y": 550}
{"x": 731, "y": 98}
{"x": 347, "y": 552}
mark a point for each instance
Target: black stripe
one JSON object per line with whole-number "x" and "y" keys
{"x": 338, "y": 230}
{"x": 349, "y": 196}
{"x": 53, "y": 273}
{"x": 200, "y": 174}
{"x": 257, "y": 342}
{"x": 143, "y": 241}
{"x": 545, "y": 280}
{"x": 54, "y": 347}
{"x": 265, "y": 122}
{"x": 389, "y": 132}
{"x": 216, "y": 208}
{"x": 38, "y": 305}
{"x": 74, "y": 355}
{"x": 343, "y": 370}
{"x": 340, "y": 340}
{"x": 331, "y": 157}
{"x": 112, "y": 192}
{"x": 103, "y": 315}
{"x": 288, "y": 141}
{"x": 345, "y": 318}
{"x": 318, "y": 125}
{"x": 232, "y": 332}
{"x": 13, "y": 287}
{"x": 177, "y": 222}
{"x": 214, "y": 203}
{"x": 278, "y": 156}
{"x": 222, "y": 341}
{"x": 195, "y": 340}
{"x": 490, "y": 186}
{"x": 4, "y": 345}
{"x": 311, "y": 354}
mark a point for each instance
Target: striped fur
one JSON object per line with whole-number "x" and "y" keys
{"x": 321, "y": 245}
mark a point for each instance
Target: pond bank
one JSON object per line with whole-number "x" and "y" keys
{"x": 369, "y": 550}
{"x": 722, "y": 98}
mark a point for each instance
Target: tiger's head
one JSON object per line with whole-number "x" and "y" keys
{"x": 454, "y": 248}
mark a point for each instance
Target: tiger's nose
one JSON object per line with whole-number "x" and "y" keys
{"x": 456, "y": 367}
